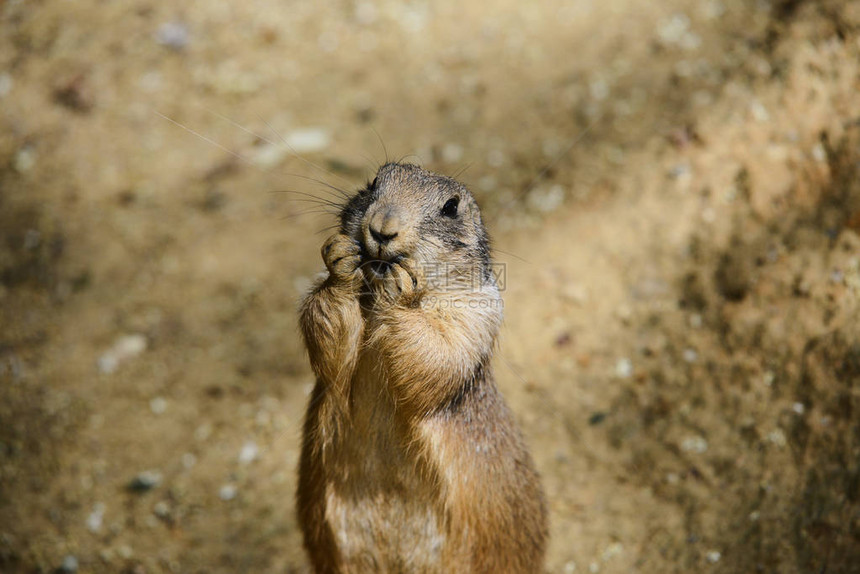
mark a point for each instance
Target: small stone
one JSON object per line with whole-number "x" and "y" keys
{"x": 6, "y": 84}
{"x": 146, "y": 480}
{"x": 174, "y": 35}
{"x": 269, "y": 155}
{"x": 624, "y": 368}
{"x": 158, "y": 405}
{"x": 228, "y": 492}
{"x": 759, "y": 112}
{"x": 597, "y": 418}
{"x": 819, "y": 154}
{"x": 188, "y": 460}
{"x": 25, "y": 159}
{"x": 203, "y": 432}
{"x": 546, "y": 199}
{"x": 161, "y": 509}
{"x": 690, "y": 355}
{"x": 249, "y": 452}
{"x": 713, "y": 556}
{"x": 695, "y": 444}
{"x": 308, "y": 140}
{"x": 612, "y": 550}
{"x": 452, "y": 153}
{"x": 125, "y": 347}
{"x": 96, "y": 517}
{"x": 69, "y": 565}
{"x": 798, "y": 408}
{"x": 777, "y": 437}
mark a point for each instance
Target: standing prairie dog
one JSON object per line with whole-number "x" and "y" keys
{"x": 411, "y": 460}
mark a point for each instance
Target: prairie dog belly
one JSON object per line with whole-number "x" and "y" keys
{"x": 382, "y": 505}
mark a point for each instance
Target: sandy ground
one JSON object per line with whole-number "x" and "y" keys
{"x": 672, "y": 186}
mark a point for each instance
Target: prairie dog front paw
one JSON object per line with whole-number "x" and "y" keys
{"x": 342, "y": 256}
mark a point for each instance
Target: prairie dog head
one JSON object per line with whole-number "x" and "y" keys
{"x": 407, "y": 212}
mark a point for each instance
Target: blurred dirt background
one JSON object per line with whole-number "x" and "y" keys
{"x": 674, "y": 187}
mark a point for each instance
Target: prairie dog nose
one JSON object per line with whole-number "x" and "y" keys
{"x": 384, "y": 225}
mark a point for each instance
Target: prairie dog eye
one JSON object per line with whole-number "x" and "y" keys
{"x": 450, "y": 207}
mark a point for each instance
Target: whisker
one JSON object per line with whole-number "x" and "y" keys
{"x": 497, "y": 250}
{"x": 328, "y": 228}
{"x": 379, "y": 137}
{"x": 311, "y": 196}
{"x": 309, "y": 212}
{"x": 462, "y": 170}
{"x": 270, "y": 142}
{"x": 339, "y": 192}
{"x": 304, "y": 159}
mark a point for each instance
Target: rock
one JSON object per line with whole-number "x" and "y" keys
{"x": 228, "y": 492}
{"x": 249, "y": 452}
{"x": 308, "y": 140}
{"x": 624, "y": 368}
{"x": 174, "y": 35}
{"x": 96, "y": 517}
{"x": 69, "y": 565}
{"x": 125, "y": 347}
{"x": 145, "y": 481}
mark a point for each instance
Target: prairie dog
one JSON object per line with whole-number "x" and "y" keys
{"x": 411, "y": 460}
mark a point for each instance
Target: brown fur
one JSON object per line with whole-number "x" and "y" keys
{"x": 411, "y": 461}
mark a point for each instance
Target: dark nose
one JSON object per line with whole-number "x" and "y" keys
{"x": 382, "y": 237}
{"x": 384, "y": 226}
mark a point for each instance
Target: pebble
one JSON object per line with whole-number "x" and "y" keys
{"x": 452, "y": 153}
{"x": 125, "y": 347}
{"x": 676, "y": 32}
{"x": 307, "y": 140}
{"x": 96, "y": 517}
{"x": 6, "y": 84}
{"x": 269, "y": 155}
{"x": 690, "y": 355}
{"x": 158, "y": 405}
{"x": 777, "y": 437}
{"x": 819, "y": 154}
{"x": 69, "y": 565}
{"x": 161, "y": 509}
{"x": 612, "y": 550}
{"x": 228, "y": 492}
{"x": 624, "y": 368}
{"x": 759, "y": 112}
{"x": 25, "y": 159}
{"x": 249, "y": 452}
{"x": 174, "y": 35}
{"x": 713, "y": 556}
{"x": 188, "y": 460}
{"x": 798, "y": 408}
{"x": 146, "y": 480}
{"x": 546, "y": 199}
{"x": 695, "y": 444}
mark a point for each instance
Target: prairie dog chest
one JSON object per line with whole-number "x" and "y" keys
{"x": 383, "y": 504}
